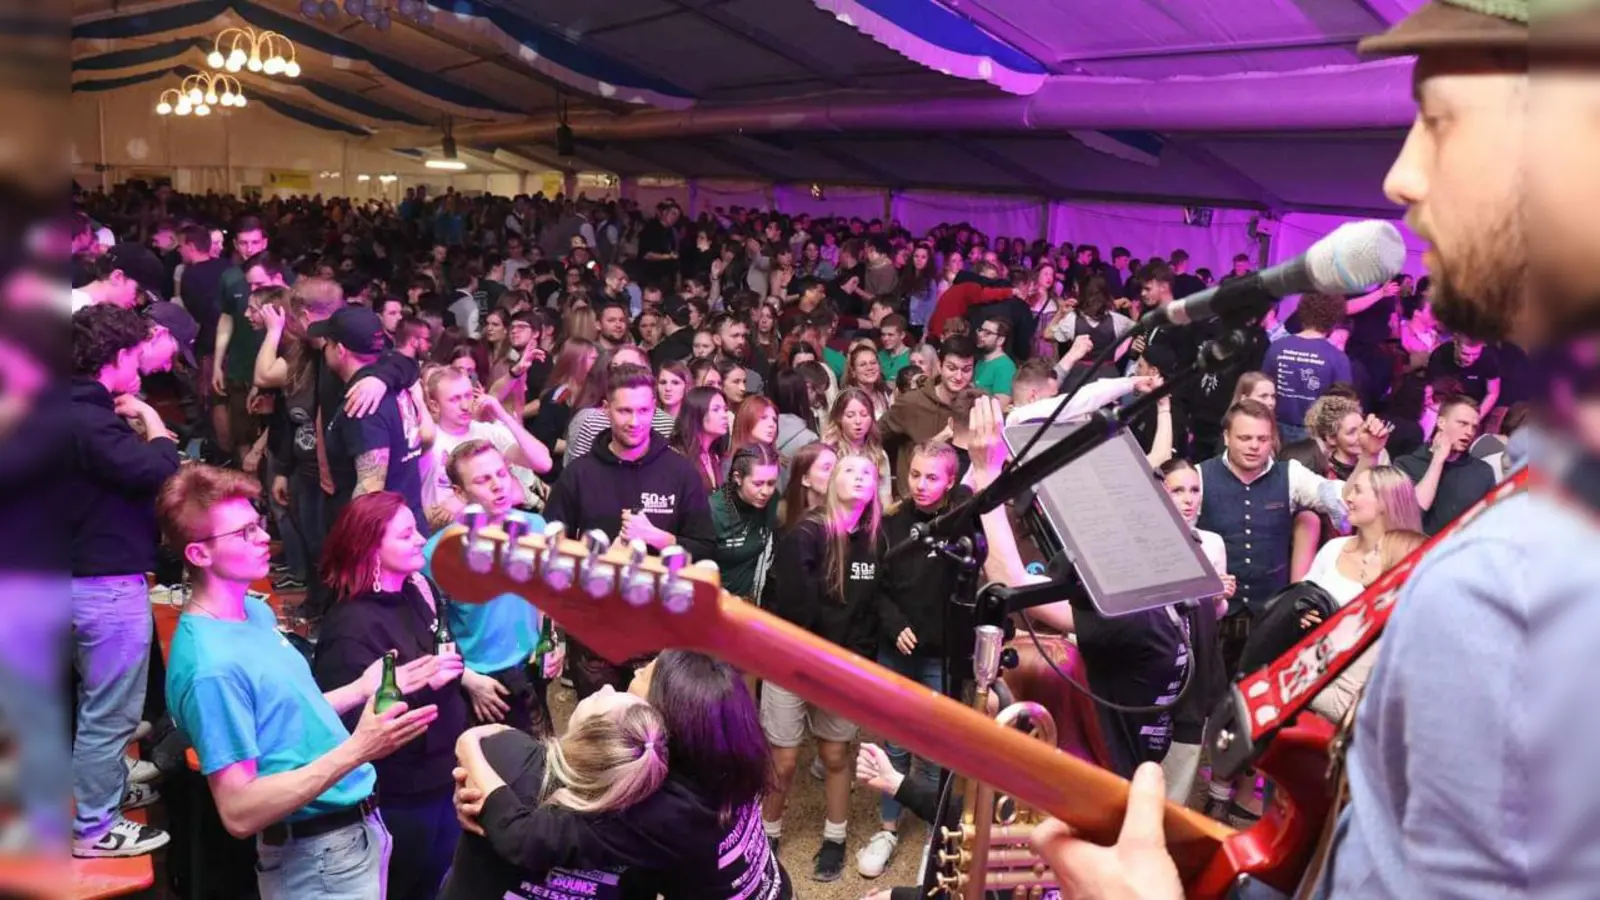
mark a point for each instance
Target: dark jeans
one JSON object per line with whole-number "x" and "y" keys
{"x": 529, "y": 712}
{"x": 425, "y": 832}
{"x": 927, "y": 671}
{"x": 309, "y": 506}
{"x": 590, "y": 671}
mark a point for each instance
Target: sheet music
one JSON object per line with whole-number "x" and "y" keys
{"x": 1120, "y": 530}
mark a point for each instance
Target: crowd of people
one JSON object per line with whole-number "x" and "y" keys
{"x": 784, "y": 395}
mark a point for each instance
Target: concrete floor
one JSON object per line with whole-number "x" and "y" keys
{"x": 802, "y": 830}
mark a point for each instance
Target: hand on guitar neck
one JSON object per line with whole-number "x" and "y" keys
{"x": 1137, "y": 867}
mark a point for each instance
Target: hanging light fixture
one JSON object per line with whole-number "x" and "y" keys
{"x": 199, "y": 93}
{"x": 267, "y": 52}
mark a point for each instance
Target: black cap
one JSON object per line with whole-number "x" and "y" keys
{"x": 356, "y": 328}
{"x": 177, "y": 321}
{"x": 138, "y": 262}
{"x": 677, "y": 309}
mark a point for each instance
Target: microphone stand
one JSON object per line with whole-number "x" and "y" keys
{"x": 952, "y": 532}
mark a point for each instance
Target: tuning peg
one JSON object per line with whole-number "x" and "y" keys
{"x": 559, "y": 570}
{"x": 677, "y": 595}
{"x": 480, "y": 550}
{"x": 516, "y": 559}
{"x": 638, "y": 586}
{"x": 597, "y": 576}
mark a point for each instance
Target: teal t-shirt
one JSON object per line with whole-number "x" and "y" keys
{"x": 995, "y": 375}
{"x": 240, "y": 691}
{"x": 497, "y": 635}
{"x": 891, "y": 365}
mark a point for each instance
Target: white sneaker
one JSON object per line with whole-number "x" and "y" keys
{"x": 138, "y": 796}
{"x": 872, "y": 859}
{"x": 818, "y": 770}
{"x": 126, "y": 838}
{"x": 141, "y": 771}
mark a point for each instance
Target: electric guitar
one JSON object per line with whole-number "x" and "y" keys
{"x": 623, "y": 603}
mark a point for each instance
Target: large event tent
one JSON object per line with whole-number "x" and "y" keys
{"x": 1088, "y": 120}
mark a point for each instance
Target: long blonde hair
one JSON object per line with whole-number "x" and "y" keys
{"x": 606, "y": 762}
{"x": 1397, "y": 497}
{"x": 832, "y": 511}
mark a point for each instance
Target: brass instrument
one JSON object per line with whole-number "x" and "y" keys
{"x": 990, "y": 851}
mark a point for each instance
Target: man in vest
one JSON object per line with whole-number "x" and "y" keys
{"x": 1250, "y": 499}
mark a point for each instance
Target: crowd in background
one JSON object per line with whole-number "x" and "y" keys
{"x": 784, "y": 395}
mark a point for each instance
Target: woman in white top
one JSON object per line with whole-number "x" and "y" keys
{"x": 1387, "y": 525}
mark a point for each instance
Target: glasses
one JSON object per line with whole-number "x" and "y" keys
{"x": 247, "y": 531}
{"x": 989, "y": 331}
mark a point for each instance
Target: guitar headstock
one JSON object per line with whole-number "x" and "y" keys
{"x": 617, "y": 599}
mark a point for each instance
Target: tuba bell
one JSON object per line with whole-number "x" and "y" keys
{"x": 989, "y": 851}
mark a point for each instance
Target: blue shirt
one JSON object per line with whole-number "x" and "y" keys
{"x": 1303, "y": 369}
{"x": 1472, "y": 770}
{"x": 241, "y": 692}
{"x": 497, "y": 635}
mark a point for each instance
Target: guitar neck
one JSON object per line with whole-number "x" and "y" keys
{"x": 935, "y": 727}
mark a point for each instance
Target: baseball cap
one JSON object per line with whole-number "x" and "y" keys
{"x": 677, "y": 309}
{"x": 138, "y": 262}
{"x": 177, "y": 321}
{"x": 356, "y": 328}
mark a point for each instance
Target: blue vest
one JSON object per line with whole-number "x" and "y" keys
{"x": 1256, "y": 522}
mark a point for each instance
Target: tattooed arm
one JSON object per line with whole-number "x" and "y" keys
{"x": 372, "y": 471}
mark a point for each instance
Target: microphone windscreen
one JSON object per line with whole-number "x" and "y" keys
{"x": 1356, "y": 256}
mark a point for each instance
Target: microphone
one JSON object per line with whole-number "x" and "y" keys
{"x": 1354, "y": 257}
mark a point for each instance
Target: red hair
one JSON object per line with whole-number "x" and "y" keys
{"x": 351, "y": 549}
{"x": 751, "y": 409}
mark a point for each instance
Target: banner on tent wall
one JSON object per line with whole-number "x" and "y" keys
{"x": 551, "y": 184}
{"x": 279, "y": 179}
{"x": 1149, "y": 231}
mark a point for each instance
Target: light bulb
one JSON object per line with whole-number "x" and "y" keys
{"x": 237, "y": 57}
{"x": 238, "y": 102}
{"x": 254, "y": 64}
{"x": 273, "y": 66}
{"x": 195, "y": 96}
{"x": 202, "y": 110}
{"x": 227, "y": 98}
{"x": 215, "y": 60}
{"x": 234, "y": 65}
{"x": 163, "y": 108}
{"x": 211, "y": 98}
{"x": 291, "y": 69}
{"x": 183, "y": 108}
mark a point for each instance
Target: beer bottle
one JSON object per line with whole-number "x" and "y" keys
{"x": 547, "y": 643}
{"x": 389, "y": 688}
{"x": 444, "y": 640}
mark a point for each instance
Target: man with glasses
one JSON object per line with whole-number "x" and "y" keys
{"x": 114, "y": 473}
{"x": 995, "y": 368}
{"x": 280, "y": 764}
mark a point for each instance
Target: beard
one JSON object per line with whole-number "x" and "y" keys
{"x": 1481, "y": 291}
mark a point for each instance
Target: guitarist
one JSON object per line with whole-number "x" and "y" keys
{"x": 1469, "y": 770}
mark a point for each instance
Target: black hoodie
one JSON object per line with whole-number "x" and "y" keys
{"x": 597, "y": 487}
{"x": 798, "y": 590}
{"x": 111, "y": 486}
{"x": 914, "y": 590}
{"x": 360, "y": 630}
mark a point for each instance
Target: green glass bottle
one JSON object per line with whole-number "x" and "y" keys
{"x": 547, "y": 643}
{"x": 389, "y": 688}
{"x": 444, "y": 640}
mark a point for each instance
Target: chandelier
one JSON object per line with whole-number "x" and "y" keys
{"x": 268, "y": 52}
{"x": 377, "y": 13}
{"x": 197, "y": 94}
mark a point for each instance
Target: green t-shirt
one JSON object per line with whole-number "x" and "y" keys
{"x": 835, "y": 361}
{"x": 995, "y": 375}
{"x": 891, "y": 365}
{"x": 240, "y": 362}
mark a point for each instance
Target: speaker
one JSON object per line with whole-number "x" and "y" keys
{"x": 566, "y": 145}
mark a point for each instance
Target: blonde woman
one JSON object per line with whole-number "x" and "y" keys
{"x": 1387, "y": 523}
{"x": 852, "y": 428}
{"x": 612, "y": 755}
{"x": 824, "y": 579}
